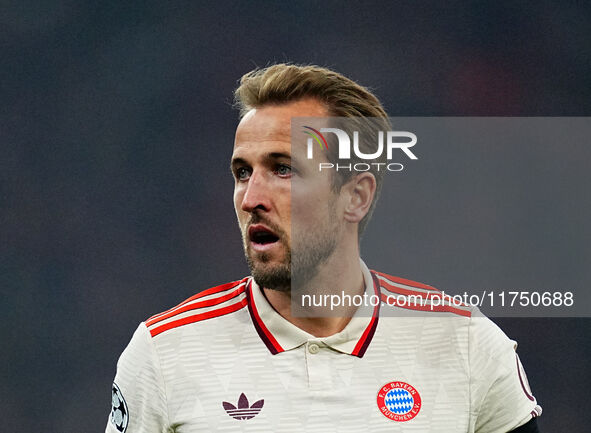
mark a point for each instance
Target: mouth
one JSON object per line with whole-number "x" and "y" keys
{"x": 261, "y": 237}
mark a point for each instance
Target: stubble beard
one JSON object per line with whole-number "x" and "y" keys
{"x": 311, "y": 249}
{"x": 271, "y": 276}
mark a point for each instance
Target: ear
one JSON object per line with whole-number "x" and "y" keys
{"x": 361, "y": 191}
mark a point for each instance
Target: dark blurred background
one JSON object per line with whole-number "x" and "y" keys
{"x": 116, "y": 128}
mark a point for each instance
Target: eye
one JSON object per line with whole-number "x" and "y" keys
{"x": 283, "y": 170}
{"x": 242, "y": 173}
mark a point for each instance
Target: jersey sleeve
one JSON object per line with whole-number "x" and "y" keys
{"x": 501, "y": 399}
{"x": 138, "y": 393}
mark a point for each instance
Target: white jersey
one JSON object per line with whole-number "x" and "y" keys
{"x": 226, "y": 361}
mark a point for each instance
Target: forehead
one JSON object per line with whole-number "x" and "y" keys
{"x": 272, "y": 123}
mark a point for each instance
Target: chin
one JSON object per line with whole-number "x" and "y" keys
{"x": 274, "y": 276}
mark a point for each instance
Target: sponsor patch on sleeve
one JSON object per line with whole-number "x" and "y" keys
{"x": 119, "y": 412}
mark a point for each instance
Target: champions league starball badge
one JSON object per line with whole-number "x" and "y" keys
{"x": 399, "y": 401}
{"x": 119, "y": 413}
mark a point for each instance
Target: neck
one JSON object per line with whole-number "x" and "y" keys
{"x": 339, "y": 275}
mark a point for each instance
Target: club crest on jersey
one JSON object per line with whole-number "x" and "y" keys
{"x": 244, "y": 410}
{"x": 399, "y": 401}
{"x": 119, "y": 412}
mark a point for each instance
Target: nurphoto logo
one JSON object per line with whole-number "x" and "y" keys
{"x": 387, "y": 141}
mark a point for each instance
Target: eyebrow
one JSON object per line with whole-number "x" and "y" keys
{"x": 272, "y": 155}
{"x": 278, "y": 155}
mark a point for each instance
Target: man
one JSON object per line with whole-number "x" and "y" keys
{"x": 238, "y": 358}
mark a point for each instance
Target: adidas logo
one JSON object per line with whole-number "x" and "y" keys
{"x": 243, "y": 411}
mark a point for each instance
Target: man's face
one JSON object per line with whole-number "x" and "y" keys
{"x": 271, "y": 187}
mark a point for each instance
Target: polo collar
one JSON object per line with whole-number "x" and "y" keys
{"x": 279, "y": 335}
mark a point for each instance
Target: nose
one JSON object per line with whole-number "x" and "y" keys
{"x": 256, "y": 194}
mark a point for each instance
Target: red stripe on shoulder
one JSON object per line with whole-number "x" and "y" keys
{"x": 223, "y": 297}
{"x": 432, "y": 308}
{"x": 199, "y": 317}
{"x": 435, "y": 300}
{"x": 406, "y": 282}
{"x": 401, "y": 291}
{"x": 217, "y": 289}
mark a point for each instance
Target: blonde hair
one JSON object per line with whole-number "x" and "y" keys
{"x": 344, "y": 98}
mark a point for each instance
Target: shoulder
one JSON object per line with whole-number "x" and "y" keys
{"x": 208, "y": 304}
{"x": 402, "y": 293}
{"x": 423, "y": 300}
{"x": 500, "y": 393}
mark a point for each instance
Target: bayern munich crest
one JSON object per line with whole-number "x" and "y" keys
{"x": 399, "y": 401}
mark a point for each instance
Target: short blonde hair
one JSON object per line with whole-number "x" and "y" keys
{"x": 283, "y": 83}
